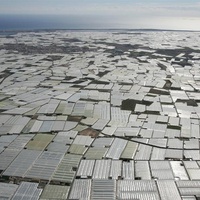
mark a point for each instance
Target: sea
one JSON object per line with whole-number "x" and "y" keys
{"x": 14, "y": 23}
{"x": 48, "y": 22}
{"x": 34, "y": 22}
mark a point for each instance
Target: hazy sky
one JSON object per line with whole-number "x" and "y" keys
{"x": 164, "y": 14}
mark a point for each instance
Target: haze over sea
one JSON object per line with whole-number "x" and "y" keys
{"x": 33, "y": 22}
{"x": 18, "y": 22}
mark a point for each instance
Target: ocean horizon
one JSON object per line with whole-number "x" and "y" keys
{"x": 18, "y": 22}
{"x": 34, "y": 22}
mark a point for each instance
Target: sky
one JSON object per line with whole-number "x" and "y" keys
{"x": 130, "y": 14}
